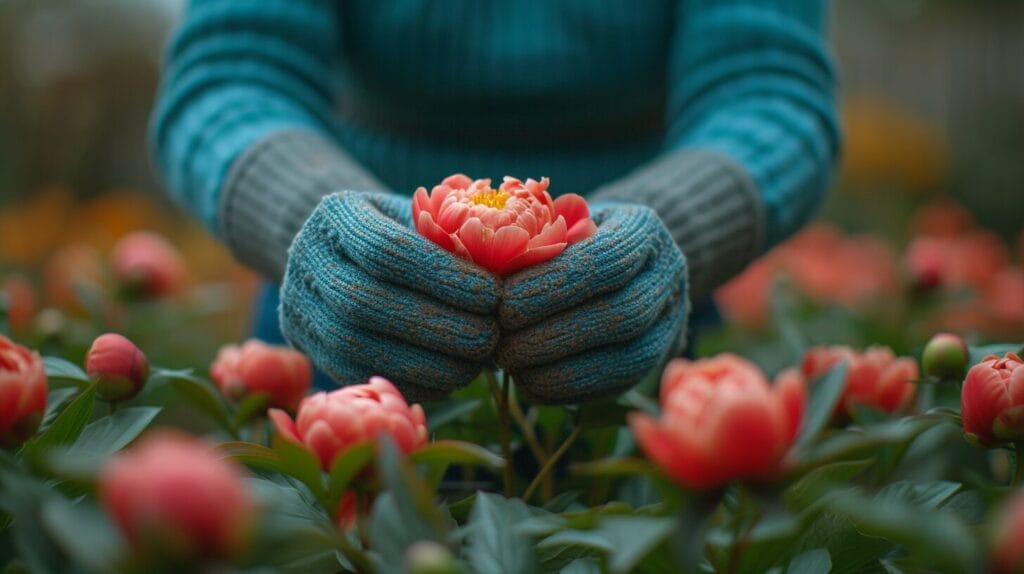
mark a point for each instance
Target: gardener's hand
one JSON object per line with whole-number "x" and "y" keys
{"x": 364, "y": 294}
{"x": 597, "y": 318}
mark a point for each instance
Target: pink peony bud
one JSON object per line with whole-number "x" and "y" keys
{"x": 945, "y": 356}
{"x": 173, "y": 495}
{"x": 968, "y": 260}
{"x": 118, "y": 367}
{"x": 875, "y": 378}
{"x": 992, "y": 400}
{"x": 721, "y": 420}
{"x": 147, "y": 264}
{"x": 502, "y": 230}
{"x": 256, "y": 367}
{"x": 329, "y": 423}
{"x": 23, "y": 393}
{"x": 1007, "y": 551}
{"x": 71, "y": 270}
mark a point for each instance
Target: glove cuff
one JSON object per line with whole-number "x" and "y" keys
{"x": 273, "y": 187}
{"x": 710, "y": 206}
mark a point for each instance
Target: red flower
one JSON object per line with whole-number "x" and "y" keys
{"x": 992, "y": 398}
{"x": 721, "y": 420}
{"x": 23, "y": 393}
{"x": 875, "y": 378}
{"x": 746, "y": 299}
{"x": 1007, "y": 551}
{"x": 968, "y": 260}
{"x": 118, "y": 367}
{"x": 256, "y": 367}
{"x": 174, "y": 494}
{"x": 147, "y": 264}
{"x": 1004, "y": 299}
{"x": 329, "y": 423}
{"x": 502, "y": 230}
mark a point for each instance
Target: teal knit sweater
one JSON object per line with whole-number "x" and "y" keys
{"x": 719, "y": 114}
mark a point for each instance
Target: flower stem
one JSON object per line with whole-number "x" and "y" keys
{"x": 530, "y": 437}
{"x": 501, "y": 409}
{"x": 256, "y": 431}
{"x": 550, "y": 464}
{"x": 1018, "y": 475}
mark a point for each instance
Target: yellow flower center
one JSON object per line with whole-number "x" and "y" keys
{"x": 491, "y": 198}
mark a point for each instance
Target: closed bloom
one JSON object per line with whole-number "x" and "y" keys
{"x": 502, "y": 230}
{"x": 992, "y": 400}
{"x": 1007, "y": 551}
{"x": 968, "y": 260}
{"x": 945, "y": 356}
{"x": 721, "y": 420}
{"x": 256, "y": 367}
{"x": 23, "y": 391}
{"x": 118, "y": 367}
{"x": 329, "y": 423}
{"x": 147, "y": 264}
{"x": 172, "y": 494}
{"x": 875, "y": 378}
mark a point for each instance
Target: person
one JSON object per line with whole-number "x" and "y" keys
{"x": 702, "y": 133}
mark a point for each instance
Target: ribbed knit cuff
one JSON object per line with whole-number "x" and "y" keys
{"x": 708, "y": 203}
{"x": 273, "y": 187}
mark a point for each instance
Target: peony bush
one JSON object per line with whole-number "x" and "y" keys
{"x": 813, "y": 434}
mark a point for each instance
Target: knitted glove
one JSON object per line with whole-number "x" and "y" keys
{"x": 364, "y": 294}
{"x": 596, "y": 319}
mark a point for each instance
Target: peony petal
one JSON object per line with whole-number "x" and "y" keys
{"x": 477, "y": 237}
{"x": 508, "y": 244}
{"x": 573, "y": 208}
{"x": 453, "y": 215}
{"x": 676, "y": 454}
{"x": 533, "y": 256}
{"x": 420, "y": 203}
{"x": 285, "y": 425}
{"x": 895, "y": 386}
{"x": 745, "y": 433}
{"x": 983, "y": 397}
{"x": 552, "y": 233}
{"x": 791, "y": 390}
{"x": 581, "y": 230}
{"x": 457, "y": 181}
{"x": 429, "y": 229}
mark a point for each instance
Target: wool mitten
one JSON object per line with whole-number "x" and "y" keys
{"x": 364, "y": 294}
{"x": 599, "y": 317}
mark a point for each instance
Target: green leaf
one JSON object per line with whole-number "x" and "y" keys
{"x": 196, "y": 391}
{"x": 252, "y": 404}
{"x": 110, "y": 434}
{"x": 23, "y": 496}
{"x": 783, "y": 307}
{"x": 633, "y": 537}
{"x": 55, "y": 402}
{"x": 84, "y": 533}
{"x": 814, "y": 484}
{"x": 825, "y": 394}
{"x": 68, "y": 424}
{"x": 861, "y": 442}
{"x": 494, "y": 544}
{"x": 815, "y": 561}
{"x": 58, "y": 369}
{"x": 414, "y": 497}
{"x": 455, "y": 452}
{"x": 450, "y": 412}
{"x": 297, "y": 461}
{"x": 251, "y": 454}
{"x": 392, "y": 533}
{"x": 923, "y": 494}
{"x": 346, "y": 466}
{"x": 615, "y": 467}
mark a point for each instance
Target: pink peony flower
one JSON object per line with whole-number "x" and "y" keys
{"x": 721, "y": 420}
{"x": 502, "y": 230}
{"x": 992, "y": 400}
{"x": 329, "y": 423}
{"x": 23, "y": 392}
{"x": 174, "y": 494}
{"x": 256, "y": 367}
{"x": 147, "y": 264}
{"x": 118, "y": 367}
{"x": 875, "y": 378}
{"x": 968, "y": 260}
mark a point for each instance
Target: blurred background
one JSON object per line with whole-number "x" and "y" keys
{"x": 923, "y": 231}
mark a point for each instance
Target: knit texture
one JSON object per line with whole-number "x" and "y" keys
{"x": 364, "y": 294}
{"x": 274, "y": 186}
{"x": 599, "y": 317}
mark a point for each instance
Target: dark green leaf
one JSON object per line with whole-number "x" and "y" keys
{"x": 494, "y": 543}
{"x": 923, "y": 494}
{"x": 55, "y": 402}
{"x": 84, "y": 533}
{"x": 412, "y": 494}
{"x": 68, "y": 424}
{"x": 252, "y": 404}
{"x": 861, "y": 442}
{"x": 58, "y": 369}
{"x": 110, "y": 434}
{"x": 297, "y": 461}
{"x": 346, "y": 466}
{"x": 392, "y": 532}
{"x": 825, "y": 393}
{"x": 814, "y": 484}
{"x": 623, "y": 466}
{"x": 633, "y": 537}
{"x": 197, "y": 392}
{"x": 450, "y": 412}
{"x": 456, "y": 452}
{"x": 251, "y": 454}
{"x": 815, "y": 561}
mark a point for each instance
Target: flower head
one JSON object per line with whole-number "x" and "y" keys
{"x": 721, "y": 420}
{"x": 118, "y": 367}
{"x": 147, "y": 264}
{"x": 505, "y": 229}
{"x": 23, "y": 392}
{"x": 330, "y": 423}
{"x": 173, "y": 494}
{"x": 945, "y": 356}
{"x": 875, "y": 378}
{"x": 992, "y": 400}
{"x": 256, "y": 367}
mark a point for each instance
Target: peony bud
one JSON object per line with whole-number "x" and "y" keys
{"x": 173, "y": 496}
{"x": 429, "y": 557}
{"x": 23, "y": 393}
{"x": 329, "y": 423}
{"x": 721, "y": 420}
{"x": 118, "y": 367}
{"x": 256, "y": 367}
{"x": 875, "y": 378}
{"x": 945, "y": 356}
{"x": 992, "y": 400}
{"x": 1007, "y": 551}
{"x": 146, "y": 264}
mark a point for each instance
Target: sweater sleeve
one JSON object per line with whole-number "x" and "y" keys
{"x": 752, "y": 132}
{"x": 245, "y": 80}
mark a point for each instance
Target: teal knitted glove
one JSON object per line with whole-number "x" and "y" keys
{"x": 599, "y": 317}
{"x": 364, "y": 294}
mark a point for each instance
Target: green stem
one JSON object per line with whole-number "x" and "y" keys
{"x": 739, "y": 543}
{"x": 501, "y": 409}
{"x": 113, "y": 407}
{"x": 550, "y": 464}
{"x": 529, "y": 436}
{"x": 256, "y": 431}
{"x": 1018, "y": 475}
